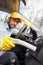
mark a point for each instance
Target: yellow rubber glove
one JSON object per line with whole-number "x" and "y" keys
{"x": 27, "y": 24}
{"x": 7, "y": 44}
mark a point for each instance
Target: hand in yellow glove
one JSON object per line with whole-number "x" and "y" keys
{"x": 27, "y": 24}
{"x": 7, "y": 44}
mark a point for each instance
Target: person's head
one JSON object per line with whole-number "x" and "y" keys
{"x": 14, "y": 19}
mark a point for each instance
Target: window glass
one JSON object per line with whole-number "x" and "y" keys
{"x": 3, "y": 15}
{"x": 33, "y": 11}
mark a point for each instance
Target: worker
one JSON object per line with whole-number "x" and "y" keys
{"x": 6, "y": 29}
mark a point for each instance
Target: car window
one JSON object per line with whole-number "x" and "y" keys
{"x": 3, "y": 15}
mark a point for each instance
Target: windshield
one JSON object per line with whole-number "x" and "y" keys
{"x": 33, "y": 11}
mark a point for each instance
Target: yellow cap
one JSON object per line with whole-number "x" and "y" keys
{"x": 16, "y": 15}
{"x": 27, "y": 24}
